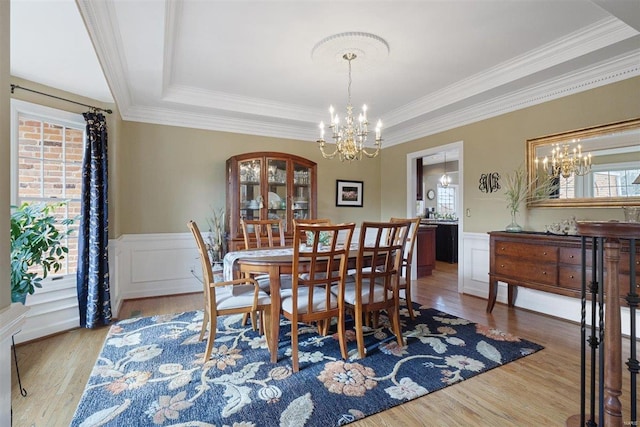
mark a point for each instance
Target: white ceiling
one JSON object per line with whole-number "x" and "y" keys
{"x": 246, "y": 66}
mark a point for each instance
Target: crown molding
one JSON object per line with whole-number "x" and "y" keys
{"x": 584, "y": 41}
{"x": 621, "y": 68}
{"x": 180, "y": 118}
{"x": 99, "y": 18}
{"x": 618, "y": 69}
{"x": 240, "y": 104}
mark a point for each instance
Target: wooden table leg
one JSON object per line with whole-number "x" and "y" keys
{"x": 274, "y": 286}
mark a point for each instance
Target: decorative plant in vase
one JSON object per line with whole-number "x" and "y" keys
{"x": 216, "y": 244}
{"x": 519, "y": 190}
{"x": 36, "y": 246}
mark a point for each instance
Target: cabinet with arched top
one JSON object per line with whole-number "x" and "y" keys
{"x": 268, "y": 185}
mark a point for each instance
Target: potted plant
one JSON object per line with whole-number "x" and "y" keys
{"x": 518, "y": 190}
{"x": 36, "y": 246}
{"x": 216, "y": 241}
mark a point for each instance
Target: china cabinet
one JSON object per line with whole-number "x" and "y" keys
{"x": 268, "y": 185}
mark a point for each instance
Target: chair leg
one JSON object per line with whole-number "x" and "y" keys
{"x": 294, "y": 346}
{"x": 359, "y": 333}
{"x": 394, "y": 313}
{"x": 210, "y": 339}
{"x": 265, "y": 327}
{"x": 253, "y": 320}
{"x": 205, "y": 321}
{"x": 407, "y": 298}
{"x": 342, "y": 335}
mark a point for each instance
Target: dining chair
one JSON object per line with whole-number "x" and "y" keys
{"x": 318, "y": 284}
{"x": 228, "y": 297}
{"x": 319, "y": 221}
{"x": 267, "y": 233}
{"x": 374, "y": 286}
{"x": 404, "y": 282}
{"x": 261, "y": 233}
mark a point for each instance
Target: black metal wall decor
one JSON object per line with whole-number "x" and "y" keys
{"x": 489, "y": 182}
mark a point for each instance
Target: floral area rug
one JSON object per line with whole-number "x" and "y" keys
{"x": 150, "y": 371}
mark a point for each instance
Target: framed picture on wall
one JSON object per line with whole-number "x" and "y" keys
{"x": 349, "y": 193}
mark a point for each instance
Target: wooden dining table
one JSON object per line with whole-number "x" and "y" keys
{"x": 274, "y": 262}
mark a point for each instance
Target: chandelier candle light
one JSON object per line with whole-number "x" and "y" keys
{"x": 351, "y": 137}
{"x": 566, "y": 163}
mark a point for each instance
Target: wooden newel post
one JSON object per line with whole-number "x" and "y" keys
{"x": 612, "y": 336}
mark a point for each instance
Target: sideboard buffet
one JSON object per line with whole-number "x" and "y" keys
{"x": 544, "y": 262}
{"x": 268, "y": 185}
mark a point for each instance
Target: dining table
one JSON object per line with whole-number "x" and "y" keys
{"x": 273, "y": 262}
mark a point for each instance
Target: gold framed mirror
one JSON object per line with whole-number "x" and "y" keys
{"x": 592, "y": 167}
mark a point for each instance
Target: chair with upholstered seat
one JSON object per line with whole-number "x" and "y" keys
{"x": 317, "y": 221}
{"x": 268, "y": 233}
{"x": 263, "y": 233}
{"x": 230, "y": 297}
{"x": 404, "y": 282}
{"x": 318, "y": 284}
{"x": 375, "y": 280}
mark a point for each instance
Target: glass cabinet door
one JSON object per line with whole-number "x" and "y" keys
{"x": 302, "y": 194}
{"x": 277, "y": 189}
{"x": 250, "y": 198}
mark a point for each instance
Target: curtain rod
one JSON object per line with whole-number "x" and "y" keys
{"x": 13, "y": 87}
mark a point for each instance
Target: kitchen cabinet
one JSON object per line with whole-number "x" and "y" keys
{"x": 447, "y": 242}
{"x": 426, "y": 250}
{"x": 268, "y": 185}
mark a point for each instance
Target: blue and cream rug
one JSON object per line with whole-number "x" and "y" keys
{"x": 150, "y": 372}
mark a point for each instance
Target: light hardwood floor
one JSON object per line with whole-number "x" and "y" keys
{"x": 539, "y": 390}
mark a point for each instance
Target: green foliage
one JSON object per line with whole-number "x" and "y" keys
{"x": 216, "y": 241}
{"x": 518, "y": 190}
{"x": 36, "y": 246}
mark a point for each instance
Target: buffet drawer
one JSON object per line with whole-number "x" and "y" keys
{"x": 527, "y": 270}
{"x": 525, "y": 251}
{"x": 570, "y": 277}
{"x": 574, "y": 256}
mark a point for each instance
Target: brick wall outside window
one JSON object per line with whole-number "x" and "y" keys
{"x": 50, "y": 170}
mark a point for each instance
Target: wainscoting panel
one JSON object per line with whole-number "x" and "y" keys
{"x": 156, "y": 264}
{"x": 52, "y": 309}
{"x": 11, "y": 321}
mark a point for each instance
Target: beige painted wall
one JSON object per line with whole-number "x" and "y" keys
{"x": 5, "y": 177}
{"x": 168, "y": 175}
{"x": 498, "y": 144}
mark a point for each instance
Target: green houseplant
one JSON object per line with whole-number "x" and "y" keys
{"x": 518, "y": 191}
{"x": 36, "y": 246}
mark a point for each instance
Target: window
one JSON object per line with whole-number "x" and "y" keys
{"x": 446, "y": 202}
{"x": 47, "y": 150}
{"x": 615, "y": 180}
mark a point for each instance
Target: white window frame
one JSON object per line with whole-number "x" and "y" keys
{"x": 453, "y": 187}
{"x": 620, "y": 166}
{"x": 43, "y": 113}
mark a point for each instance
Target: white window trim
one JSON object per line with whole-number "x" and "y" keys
{"x": 620, "y": 166}
{"x": 39, "y": 112}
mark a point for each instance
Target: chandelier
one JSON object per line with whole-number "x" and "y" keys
{"x": 445, "y": 179}
{"x": 566, "y": 161}
{"x": 350, "y": 138}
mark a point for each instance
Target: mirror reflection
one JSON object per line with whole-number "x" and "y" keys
{"x": 598, "y": 166}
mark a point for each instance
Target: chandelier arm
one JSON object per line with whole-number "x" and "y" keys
{"x": 321, "y": 144}
{"x": 370, "y": 154}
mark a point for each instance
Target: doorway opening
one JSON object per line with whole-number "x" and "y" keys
{"x": 453, "y": 150}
